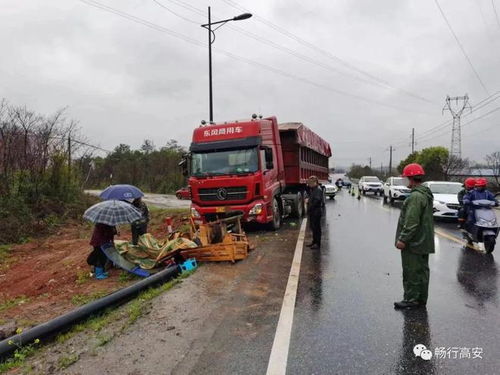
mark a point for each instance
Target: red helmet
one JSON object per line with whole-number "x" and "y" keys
{"x": 481, "y": 182}
{"x": 413, "y": 169}
{"x": 470, "y": 182}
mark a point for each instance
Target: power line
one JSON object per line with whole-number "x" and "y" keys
{"x": 461, "y": 47}
{"x": 495, "y": 11}
{"x": 175, "y": 13}
{"x": 236, "y": 57}
{"x": 326, "y": 53}
{"x": 484, "y": 102}
{"x": 446, "y": 131}
{"x": 275, "y": 45}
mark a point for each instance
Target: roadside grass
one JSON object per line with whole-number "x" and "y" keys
{"x": 66, "y": 361}
{"x": 4, "y": 252}
{"x": 125, "y": 277}
{"x": 82, "y": 277}
{"x": 82, "y": 299}
{"x": 6, "y": 256}
{"x": 19, "y": 358}
{"x": 13, "y": 302}
{"x": 130, "y": 314}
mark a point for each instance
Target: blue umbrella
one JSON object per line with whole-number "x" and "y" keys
{"x": 121, "y": 192}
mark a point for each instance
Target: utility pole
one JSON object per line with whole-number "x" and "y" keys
{"x": 412, "y": 140}
{"x": 370, "y": 159}
{"x": 390, "y": 159}
{"x": 456, "y": 112}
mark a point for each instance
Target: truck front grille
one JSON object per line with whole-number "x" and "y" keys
{"x": 223, "y": 194}
{"x": 453, "y": 206}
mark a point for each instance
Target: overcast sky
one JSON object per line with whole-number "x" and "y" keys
{"x": 360, "y": 73}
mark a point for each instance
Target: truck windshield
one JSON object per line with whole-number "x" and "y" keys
{"x": 225, "y": 162}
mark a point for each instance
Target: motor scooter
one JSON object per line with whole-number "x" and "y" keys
{"x": 484, "y": 226}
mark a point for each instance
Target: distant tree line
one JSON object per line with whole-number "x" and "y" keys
{"x": 152, "y": 169}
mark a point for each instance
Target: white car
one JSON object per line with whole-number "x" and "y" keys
{"x": 445, "y": 198}
{"x": 396, "y": 188}
{"x": 330, "y": 190}
{"x": 370, "y": 184}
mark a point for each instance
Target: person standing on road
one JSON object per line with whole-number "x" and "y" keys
{"x": 415, "y": 239}
{"x": 315, "y": 204}
{"x": 140, "y": 227}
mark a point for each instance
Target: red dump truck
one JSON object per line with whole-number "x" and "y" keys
{"x": 255, "y": 168}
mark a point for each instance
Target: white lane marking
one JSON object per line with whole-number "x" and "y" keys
{"x": 279, "y": 353}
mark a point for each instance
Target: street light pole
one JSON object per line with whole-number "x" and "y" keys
{"x": 210, "y": 90}
{"x": 211, "y": 40}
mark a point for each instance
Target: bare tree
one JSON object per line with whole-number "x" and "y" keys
{"x": 493, "y": 162}
{"x": 454, "y": 165}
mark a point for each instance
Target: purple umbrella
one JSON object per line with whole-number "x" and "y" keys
{"x": 121, "y": 192}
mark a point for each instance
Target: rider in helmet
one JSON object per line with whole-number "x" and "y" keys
{"x": 479, "y": 193}
{"x": 415, "y": 239}
{"x": 469, "y": 184}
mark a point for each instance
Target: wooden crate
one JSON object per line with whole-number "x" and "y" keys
{"x": 232, "y": 248}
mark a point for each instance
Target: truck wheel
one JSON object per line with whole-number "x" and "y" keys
{"x": 489, "y": 244}
{"x": 298, "y": 206}
{"x": 275, "y": 224}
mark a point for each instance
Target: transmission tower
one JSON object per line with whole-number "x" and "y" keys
{"x": 461, "y": 103}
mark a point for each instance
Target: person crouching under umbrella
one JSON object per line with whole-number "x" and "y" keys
{"x": 102, "y": 234}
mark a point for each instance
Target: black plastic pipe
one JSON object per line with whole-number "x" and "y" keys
{"x": 63, "y": 322}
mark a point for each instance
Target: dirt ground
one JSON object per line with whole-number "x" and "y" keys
{"x": 47, "y": 277}
{"x": 234, "y": 303}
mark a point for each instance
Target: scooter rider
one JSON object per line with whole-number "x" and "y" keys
{"x": 469, "y": 185}
{"x": 480, "y": 192}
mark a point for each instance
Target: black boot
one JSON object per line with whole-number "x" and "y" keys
{"x": 310, "y": 244}
{"x": 407, "y": 305}
{"x": 315, "y": 246}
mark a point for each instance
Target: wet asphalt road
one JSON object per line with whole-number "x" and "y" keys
{"x": 344, "y": 319}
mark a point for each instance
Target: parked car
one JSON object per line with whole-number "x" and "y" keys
{"x": 396, "y": 188}
{"x": 445, "y": 198}
{"x": 183, "y": 193}
{"x": 330, "y": 190}
{"x": 370, "y": 184}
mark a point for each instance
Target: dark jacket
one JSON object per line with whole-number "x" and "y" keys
{"x": 416, "y": 222}
{"x": 475, "y": 195}
{"x": 315, "y": 202}
{"x": 460, "y": 196}
{"x": 102, "y": 234}
{"x": 145, "y": 213}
